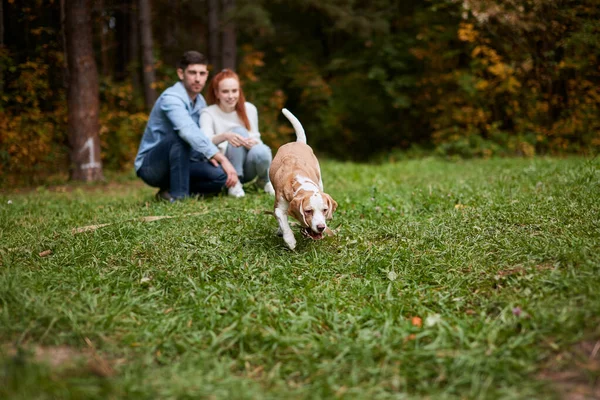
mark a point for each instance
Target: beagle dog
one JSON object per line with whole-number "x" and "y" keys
{"x": 296, "y": 177}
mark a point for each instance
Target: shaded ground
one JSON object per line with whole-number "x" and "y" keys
{"x": 576, "y": 374}
{"x": 62, "y": 359}
{"x": 114, "y": 186}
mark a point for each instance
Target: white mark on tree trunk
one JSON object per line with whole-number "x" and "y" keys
{"x": 89, "y": 145}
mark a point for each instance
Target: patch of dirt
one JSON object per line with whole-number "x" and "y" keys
{"x": 70, "y": 187}
{"x": 575, "y": 374}
{"x": 64, "y": 358}
{"x": 521, "y": 270}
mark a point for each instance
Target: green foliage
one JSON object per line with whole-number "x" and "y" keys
{"x": 476, "y": 78}
{"x": 32, "y": 125}
{"x": 122, "y": 123}
{"x": 33, "y": 144}
{"x": 345, "y": 70}
{"x": 268, "y": 98}
{"x": 344, "y": 121}
{"x": 519, "y": 84}
{"x": 472, "y": 279}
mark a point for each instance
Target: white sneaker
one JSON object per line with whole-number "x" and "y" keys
{"x": 269, "y": 189}
{"x": 236, "y": 190}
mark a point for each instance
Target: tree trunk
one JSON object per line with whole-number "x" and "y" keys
{"x": 121, "y": 32}
{"x": 82, "y": 95}
{"x": 214, "y": 33}
{"x": 2, "y": 23}
{"x": 104, "y": 45}
{"x": 1, "y": 43}
{"x": 229, "y": 38}
{"x": 63, "y": 24}
{"x": 134, "y": 49}
{"x": 147, "y": 56}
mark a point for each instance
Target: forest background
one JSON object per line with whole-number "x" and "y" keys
{"x": 370, "y": 80}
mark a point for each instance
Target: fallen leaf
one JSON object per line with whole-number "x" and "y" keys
{"x": 416, "y": 321}
{"x": 433, "y": 320}
{"x": 45, "y": 253}
{"x": 392, "y": 276}
{"x": 412, "y": 336}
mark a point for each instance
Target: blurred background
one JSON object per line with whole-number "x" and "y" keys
{"x": 372, "y": 81}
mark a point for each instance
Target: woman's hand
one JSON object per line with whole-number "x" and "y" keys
{"x": 250, "y": 143}
{"x": 236, "y": 140}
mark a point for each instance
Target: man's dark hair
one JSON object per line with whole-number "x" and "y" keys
{"x": 192, "y": 57}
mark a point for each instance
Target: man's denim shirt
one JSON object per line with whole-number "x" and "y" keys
{"x": 173, "y": 113}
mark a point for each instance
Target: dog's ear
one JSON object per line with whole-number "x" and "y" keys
{"x": 297, "y": 211}
{"x": 331, "y": 206}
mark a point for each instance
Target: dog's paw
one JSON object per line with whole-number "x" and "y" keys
{"x": 290, "y": 240}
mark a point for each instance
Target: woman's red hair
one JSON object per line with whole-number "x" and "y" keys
{"x": 240, "y": 107}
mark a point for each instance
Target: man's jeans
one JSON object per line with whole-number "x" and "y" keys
{"x": 168, "y": 166}
{"x": 250, "y": 163}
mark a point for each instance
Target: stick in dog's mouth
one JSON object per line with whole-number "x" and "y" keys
{"x": 311, "y": 234}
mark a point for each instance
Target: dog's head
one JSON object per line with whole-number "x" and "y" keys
{"x": 313, "y": 210}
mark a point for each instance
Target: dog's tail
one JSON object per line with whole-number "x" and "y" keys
{"x": 300, "y": 135}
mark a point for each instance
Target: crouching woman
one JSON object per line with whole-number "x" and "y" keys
{"x": 232, "y": 124}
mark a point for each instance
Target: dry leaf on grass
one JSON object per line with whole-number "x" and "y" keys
{"x": 412, "y": 336}
{"x": 416, "y": 321}
{"x": 87, "y": 228}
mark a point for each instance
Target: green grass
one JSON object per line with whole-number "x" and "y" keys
{"x": 498, "y": 258}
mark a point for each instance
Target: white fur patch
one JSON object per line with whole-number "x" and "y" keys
{"x": 317, "y": 204}
{"x": 284, "y": 226}
{"x": 305, "y": 184}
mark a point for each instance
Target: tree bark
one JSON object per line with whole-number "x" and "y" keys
{"x": 1, "y": 43}
{"x": 134, "y": 49}
{"x": 147, "y": 56}
{"x": 214, "y": 34}
{"x": 1, "y": 23}
{"x": 104, "y": 45}
{"x": 229, "y": 49}
{"x": 83, "y": 94}
{"x": 122, "y": 19}
{"x": 63, "y": 24}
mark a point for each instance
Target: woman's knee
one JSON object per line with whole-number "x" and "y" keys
{"x": 260, "y": 153}
{"x": 240, "y": 130}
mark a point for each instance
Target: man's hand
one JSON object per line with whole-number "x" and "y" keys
{"x": 232, "y": 177}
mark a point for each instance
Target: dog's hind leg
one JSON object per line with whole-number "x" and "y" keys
{"x": 284, "y": 225}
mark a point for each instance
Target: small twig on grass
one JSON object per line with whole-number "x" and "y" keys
{"x": 151, "y": 218}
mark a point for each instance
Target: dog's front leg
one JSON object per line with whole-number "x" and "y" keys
{"x": 284, "y": 225}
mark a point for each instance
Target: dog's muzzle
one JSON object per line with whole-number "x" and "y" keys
{"x": 312, "y": 234}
